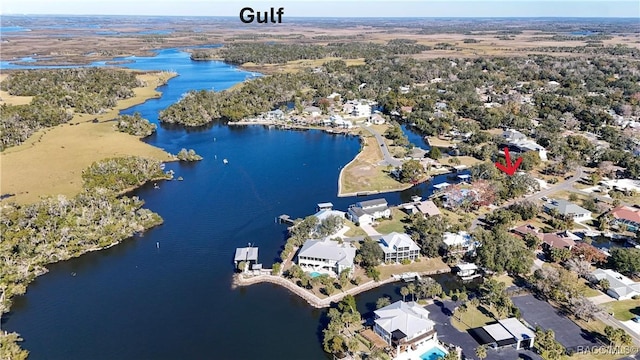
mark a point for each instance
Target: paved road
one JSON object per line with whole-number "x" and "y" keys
{"x": 383, "y": 146}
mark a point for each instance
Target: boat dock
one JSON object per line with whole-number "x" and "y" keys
{"x": 285, "y": 219}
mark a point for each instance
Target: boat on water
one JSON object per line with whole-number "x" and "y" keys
{"x": 225, "y": 161}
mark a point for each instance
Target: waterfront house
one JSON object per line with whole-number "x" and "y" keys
{"x": 326, "y": 214}
{"x": 365, "y": 212}
{"x": 461, "y": 242}
{"x": 505, "y": 332}
{"x": 326, "y": 256}
{"x": 398, "y": 246}
{"x": 314, "y": 111}
{"x": 275, "y": 115}
{"x": 620, "y": 286}
{"x": 377, "y": 118}
{"x": 361, "y": 110}
{"x": 626, "y": 217}
{"x": 566, "y": 208}
{"x": 428, "y": 208}
{"x": 560, "y": 240}
{"x": 404, "y": 325}
{"x": 248, "y": 255}
{"x": 466, "y": 269}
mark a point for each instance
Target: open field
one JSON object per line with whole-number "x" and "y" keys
{"x": 365, "y": 174}
{"x": 424, "y": 265}
{"x": 57, "y": 156}
{"x": 6, "y": 98}
{"x": 297, "y": 65}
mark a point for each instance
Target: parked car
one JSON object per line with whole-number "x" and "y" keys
{"x": 636, "y": 319}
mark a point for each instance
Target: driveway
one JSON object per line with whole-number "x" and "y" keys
{"x": 440, "y": 313}
{"x": 369, "y": 229}
{"x": 540, "y": 313}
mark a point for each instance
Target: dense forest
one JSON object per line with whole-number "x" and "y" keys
{"x": 135, "y": 125}
{"x": 58, "y": 228}
{"x": 56, "y": 94}
{"x": 267, "y": 53}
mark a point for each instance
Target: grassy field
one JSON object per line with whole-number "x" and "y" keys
{"x": 435, "y": 142}
{"x": 6, "y": 98}
{"x": 297, "y": 65}
{"x": 622, "y": 309}
{"x": 394, "y": 224}
{"x": 353, "y": 229}
{"x": 365, "y": 174}
{"x": 424, "y": 265}
{"x": 471, "y": 318}
{"x": 51, "y": 161}
{"x": 464, "y": 160}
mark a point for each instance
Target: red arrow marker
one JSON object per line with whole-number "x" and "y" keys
{"x": 509, "y": 169}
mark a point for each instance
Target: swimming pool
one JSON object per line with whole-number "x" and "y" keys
{"x": 314, "y": 274}
{"x": 433, "y": 354}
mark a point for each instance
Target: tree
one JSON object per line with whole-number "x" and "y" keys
{"x": 435, "y": 153}
{"x": 625, "y": 260}
{"x": 411, "y": 171}
{"x": 275, "y": 269}
{"x": 370, "y": 253}
{"x": 382, "y": 302}
{"x": 344, "y": 277}
{"x": 404, "y": 292}
{"x": 412, "y": 290}
{"x": 481, "y": 352}
{"x": 589, "y": 253}
{"x": 604, "y": 284}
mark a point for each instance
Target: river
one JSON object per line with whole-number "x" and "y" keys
{"x": 167, "y": 294}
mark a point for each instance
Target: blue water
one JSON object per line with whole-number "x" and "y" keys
{"x": 314, "y": 274}
{"x": 415, "y": 138}
{"x": 140, "y": 301}
{"x": 7, "y": 29}
{"x": 433, "y": 354}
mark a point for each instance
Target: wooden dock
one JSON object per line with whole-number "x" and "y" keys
{"x": 285, "y": 219}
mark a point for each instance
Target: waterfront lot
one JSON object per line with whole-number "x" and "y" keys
{"x": 539, "y": 313}
{"x": 440, "y": 313}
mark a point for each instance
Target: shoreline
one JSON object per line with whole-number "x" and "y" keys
{"x": 240, "y": 281}
{"x": 91, "y": 141}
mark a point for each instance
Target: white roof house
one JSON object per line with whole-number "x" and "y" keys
{"x": 460, "y": 239}
{"x": 398, "y": 246}
{"x": 620, "y": 286}
{"x": 326, "y": 256}
{"x": 460, "y": 242}
{"x": 568, "y": 208}
{"x": 323, "y": 214}
{"x": 403, "y": 322}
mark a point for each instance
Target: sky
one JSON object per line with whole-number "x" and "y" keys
{"x": 318, "y": 8}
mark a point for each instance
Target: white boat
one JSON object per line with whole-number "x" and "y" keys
{"x": 225, "y": 161}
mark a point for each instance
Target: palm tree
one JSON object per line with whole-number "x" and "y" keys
{"x": 412, "y": 290}
{"x": 481, "y": 352}
{"x": 404, "y": 292}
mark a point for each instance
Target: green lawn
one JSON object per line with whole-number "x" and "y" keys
{"x": 395, "y": 224}
{"x": 471, "y": 318}
{"x": 353, "y": 229}
{"x": 622, "y": 310}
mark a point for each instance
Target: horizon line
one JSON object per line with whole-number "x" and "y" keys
{"x": 341, "y": 17}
